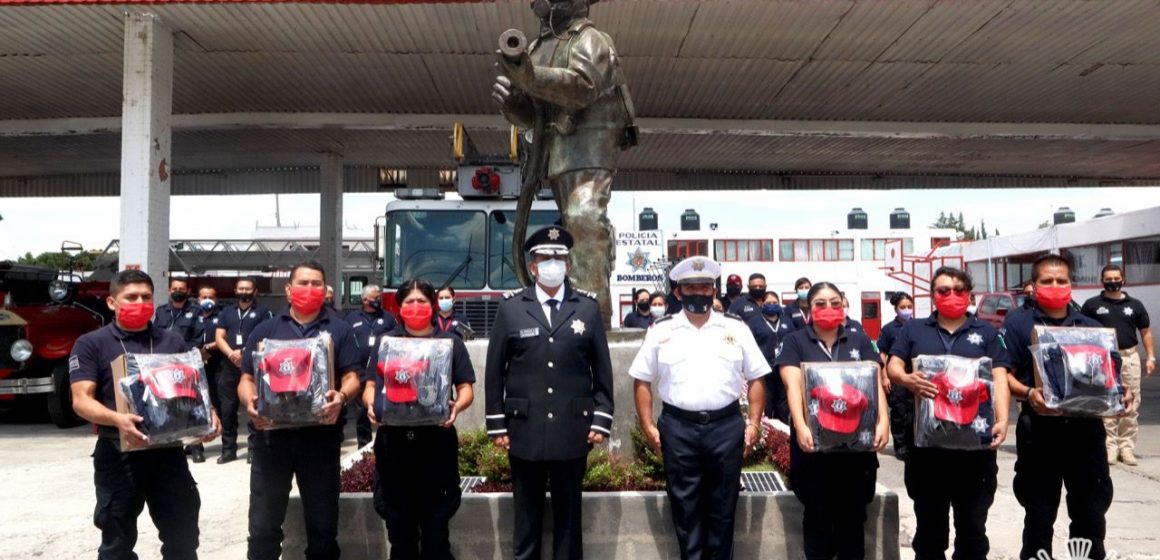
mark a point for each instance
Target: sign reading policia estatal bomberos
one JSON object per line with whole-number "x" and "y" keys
{"x": 636, "y": 251}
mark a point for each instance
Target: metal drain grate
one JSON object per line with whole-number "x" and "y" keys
{"x": 762, "y": 482}
{"x": 466, "y": 483}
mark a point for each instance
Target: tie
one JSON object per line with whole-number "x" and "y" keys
{"x": 552, "y": 312}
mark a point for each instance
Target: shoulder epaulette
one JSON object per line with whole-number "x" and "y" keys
{"x": 663, "y": 319}
{"x": 508, "y": 294}
{"x": 734, "y": 316}
{"x": 586, "y": 293}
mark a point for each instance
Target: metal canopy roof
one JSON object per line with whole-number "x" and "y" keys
{"x": 857, "y": 73}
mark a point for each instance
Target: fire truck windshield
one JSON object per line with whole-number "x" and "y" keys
{"x": 466, "y": 249}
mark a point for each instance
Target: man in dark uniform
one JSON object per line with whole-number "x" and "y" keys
{"x": 801, "y": 313}
{"x": 1055, "y": 451}
{"x": 701, "y": 362}
{"x": 732, "y": 290}
{"x": 369, "y": 323}
{"x": 235, "y": 324}
{"x": 639, "y": 317}
{"x": 204, "y": 331}
{"x": 179, "y": 314}
{"x": 768, "y": 328}
{"x": 310, "y": 454}
{"x": 1115, "y": 309}
{"x": 951, "y": 330}
{"x": 750, "y": 306}
{"x": 125, "y": 482}
{"x": 549, "y": 394}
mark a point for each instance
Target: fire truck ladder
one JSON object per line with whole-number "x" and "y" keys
{"x": 198, "y": 256}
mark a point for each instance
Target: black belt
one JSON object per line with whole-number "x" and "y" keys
{"x": 703, "y": 416}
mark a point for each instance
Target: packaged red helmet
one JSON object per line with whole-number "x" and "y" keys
{"x": 842, "y": 404}
{"x": 171, "y": 395}
{"x": 414, "y": 384}
{"x": 293, "y": 377}
{"x": 962, "y": 414}
{"x": 839, "y": 408}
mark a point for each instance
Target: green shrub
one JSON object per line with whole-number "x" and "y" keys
{"x": 472, "y": 444}
{"x": 494, "y": 464}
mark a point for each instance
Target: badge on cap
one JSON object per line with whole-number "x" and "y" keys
{"x": 698, "y": 265}
{"x": 553, "y": 234}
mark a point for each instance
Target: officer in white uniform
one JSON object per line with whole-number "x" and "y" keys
{"x": 702, "y": 364}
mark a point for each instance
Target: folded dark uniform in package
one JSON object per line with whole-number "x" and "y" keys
{"x": 962, "y": 414}
{"x": 415, "y": 380}
{"x": 1075, "y": 369}
{"x": 842, "y": 404}
{"x": 170, "y": 392}
{"x": 293, "y": 377}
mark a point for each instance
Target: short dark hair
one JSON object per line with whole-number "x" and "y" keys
{"x": 312, "y": 265}
{"x": 1111, "y": 268}
{"x": 1050, "y": 259}
{"x": 655, "y": 295}
{"x": 126, "y": 277}
{"x": 411, "y": 285}
{"x": 447, "y": 288}
{"x": 898, "y": 297}
{"x": 954, "y": 274}
{"x": 756, "y": 276}
{"x": 636, "y": 294}
{"x": 181, "y": 279}
{"x": 776, "y": 298}
{"x": 803, "y": 280}
{"x": 249, "y": 279}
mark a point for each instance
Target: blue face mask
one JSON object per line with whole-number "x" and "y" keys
{"x": 206, "y": 304}
{"x": 905, "y": 314}
{"x": 771, "y": 309}
{"x": 803, "y": 294}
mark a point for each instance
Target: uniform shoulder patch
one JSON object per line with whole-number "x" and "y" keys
{"x": 734, "y": 316}
{"x": 663, "y": 319}
{"x": 586, "y": 293}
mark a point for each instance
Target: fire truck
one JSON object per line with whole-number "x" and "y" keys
{"x": 41, "y": 317}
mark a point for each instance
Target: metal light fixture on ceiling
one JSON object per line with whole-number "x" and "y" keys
{"x": 447, "y": 177}
{"x": 392, "y": 177}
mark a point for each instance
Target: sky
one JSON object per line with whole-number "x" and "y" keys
{"x": 40, "y": 224}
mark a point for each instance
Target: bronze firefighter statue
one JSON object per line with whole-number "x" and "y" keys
{"x": 568, "y": 89}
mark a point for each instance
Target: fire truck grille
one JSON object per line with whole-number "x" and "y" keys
{"x": 481, "y": 314}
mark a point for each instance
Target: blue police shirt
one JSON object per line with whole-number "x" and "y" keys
{"x": 1016, "y": 333}
{"x": 799, "y": 317}
{"x": 182, "y": 321}
{"x": 804, "y": 346}
{"x": 974, "y": 339}
{"x": 461, "y": 369}
{"x": 283, "y": 327}
{"x": 238, "y": 324}
{"x": 854, "y": 326}
{"x": 94, "y": 351}
{"x": 745, "y": 308}
{"x": 768, "y": 336}
{"x": 888, "y": 335}
{"x": 368, "y": 327}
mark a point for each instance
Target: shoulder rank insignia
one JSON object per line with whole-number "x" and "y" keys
{"x": 586, "y": 293}
{"x": 734, "y": 316}
{"x": 663, "y": 319}
{"x": 510, "y": 293}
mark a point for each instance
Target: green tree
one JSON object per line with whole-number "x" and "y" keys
{"x": 57, "y": 260}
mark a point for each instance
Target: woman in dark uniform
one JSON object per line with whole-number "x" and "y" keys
{"x": 417, "y": 467}
{"x": 639, "y": 317}
{"x": 901, "y": 400}
{"x": 447, "y": 319}
{"x": 834, "y": 488}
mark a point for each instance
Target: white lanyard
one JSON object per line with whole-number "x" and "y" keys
{"x": 829, "y": 355}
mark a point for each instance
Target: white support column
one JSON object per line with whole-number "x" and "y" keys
{"x": 330, "y": 222}
{"x": 146, "y": 157}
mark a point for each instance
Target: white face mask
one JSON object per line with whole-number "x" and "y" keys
{"x": 551, "y": 273}
{"x": 657, "y": 311}
{"x": 446, "y": 304}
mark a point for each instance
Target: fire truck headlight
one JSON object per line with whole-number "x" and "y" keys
{"x": 58, "y": 291}
{"x": 21, "y": 350}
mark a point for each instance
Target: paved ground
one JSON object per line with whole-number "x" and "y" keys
{"x": 46, "y": 497}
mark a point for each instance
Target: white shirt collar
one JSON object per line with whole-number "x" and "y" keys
{"x": 681, "y": 320}
{"x": 543, "y": 296}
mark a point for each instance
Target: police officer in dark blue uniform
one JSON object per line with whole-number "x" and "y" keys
{"x": 179, "y": 314}
{"x": 451, "y": 320}
{"x": 369, "y": 323}
{"x": 939, "y": 479}
{"x": 640, "y": 317}
{"x": 769, "y": 327}
{"x": 125, "y": 482}
{"x": 800, "y": 313}
{"x": 235, "y": 324}
{"x": 749, "y": 306}
{"x": 834, "y": 488}
{"x": 204, "y": 331}
{"x": 311, "y": 454}
{"x": 1053, "y": 451}
{"x": 901, "y": 400}
{"x": 548, "y": 394}
{"x": 702, "y": 363}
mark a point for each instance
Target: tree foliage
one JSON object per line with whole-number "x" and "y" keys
{"x": 57, "y": 260}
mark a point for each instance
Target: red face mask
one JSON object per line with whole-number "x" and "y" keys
{"x": 135, "y": 316}
{"x": 828, "y": 318}
{"x": 1053, "y": 297}
{"x": 952, "y": 305}
{"x": 306, "y": 300}
{"x": 416, "y": 315}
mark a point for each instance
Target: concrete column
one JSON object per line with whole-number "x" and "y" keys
{"x": 330, "y": 230}
{"x": 146, "y": 157}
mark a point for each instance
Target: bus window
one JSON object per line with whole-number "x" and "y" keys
{"x": 501, "y": 274}
{"x": 443, "y": 247}
{"x": 354, "y": 288}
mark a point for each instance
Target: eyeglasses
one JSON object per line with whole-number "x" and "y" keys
{"x": 835, "y": 304}
{"x": 944, "y": 290}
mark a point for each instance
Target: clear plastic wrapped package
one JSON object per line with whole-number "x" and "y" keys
{"x": 842, "y": 404}
{"x": 416, "y": 380}
{"x": 293, "y": 377}
{"x": 169, "y": 392}
{"x": 1075, "y": 370}
{"x": 963, "y": 413}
